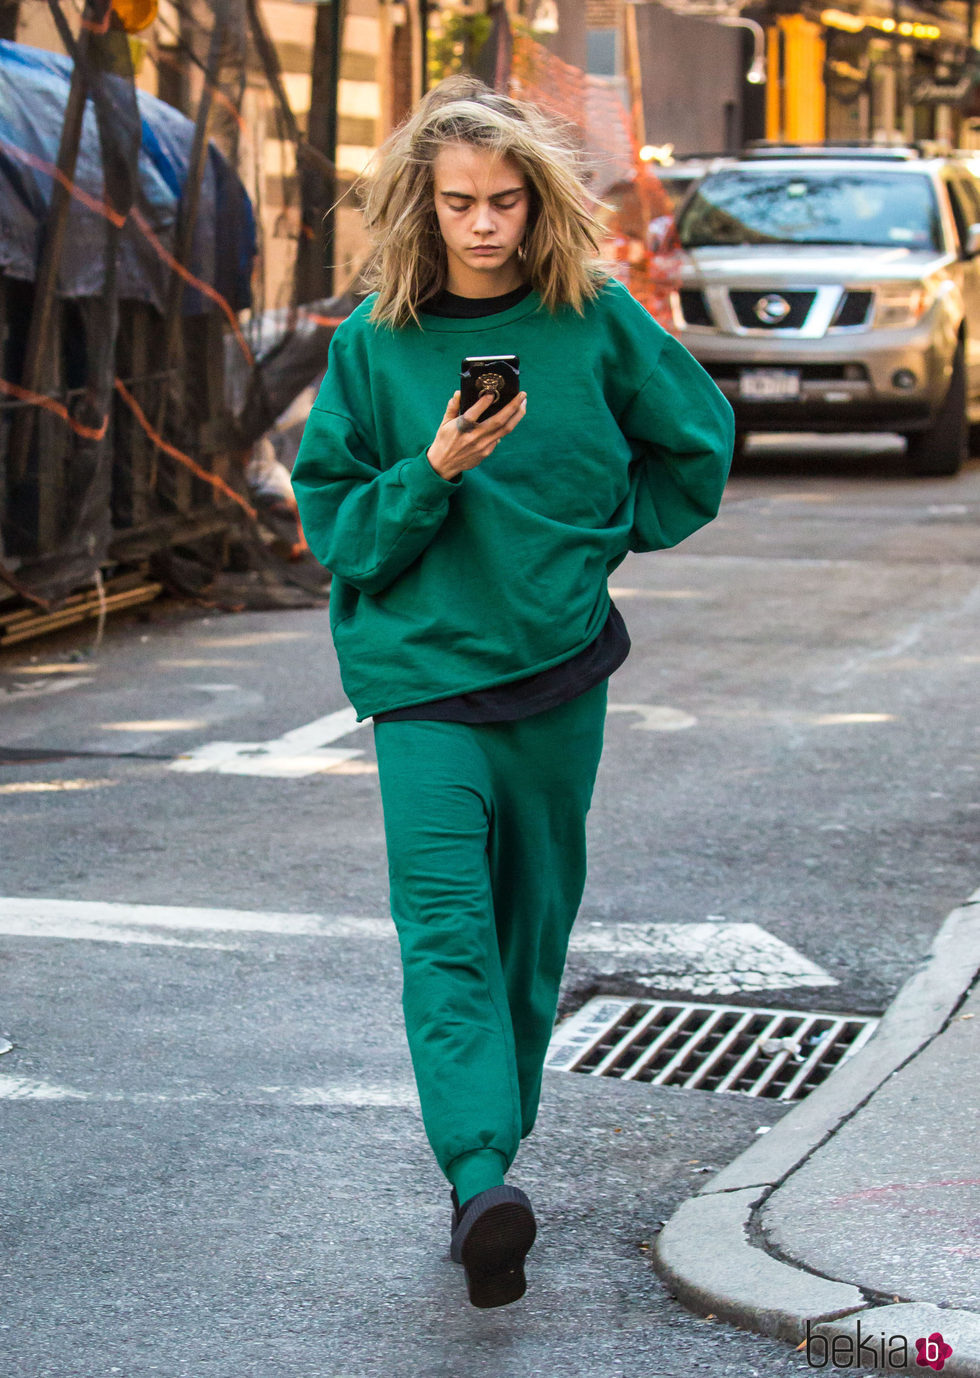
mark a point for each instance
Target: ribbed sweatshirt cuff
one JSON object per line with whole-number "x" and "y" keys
{"x": 424, "y": 486}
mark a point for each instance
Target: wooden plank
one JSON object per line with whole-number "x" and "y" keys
{"x": 40, "y": 623}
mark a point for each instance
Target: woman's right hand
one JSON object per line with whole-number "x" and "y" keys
{"x": 454, "y": 450}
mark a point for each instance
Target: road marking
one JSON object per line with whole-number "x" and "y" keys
{"x": 656, "y": 593}
{"x": 656, "y": 718}
{"x": 356, "y": 1096}
{"x": 712, "y": 957}
{"x": 303, "y": 751}
{"x": 23, "y": 1088}
{"x": 56, "y": 669}
{"x": 240, "y": 640}
{"x": 53, "y": 786}
{"x": 306, "y": 751}
{"x": 843, "y": 719}
{"x": 92, "y": 920}
{"x": 156, "y": 725}
{"x": 202, "y": 663}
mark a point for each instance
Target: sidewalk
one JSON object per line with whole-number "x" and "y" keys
{"x": 856, "y": 1219}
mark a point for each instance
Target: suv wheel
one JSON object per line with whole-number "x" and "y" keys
{"x": 945, "y": 446}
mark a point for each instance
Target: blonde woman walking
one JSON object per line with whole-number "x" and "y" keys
{"x": 469, "y": 604}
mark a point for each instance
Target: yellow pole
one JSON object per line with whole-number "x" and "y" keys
{"x": 774, "y": 85}
{"x": 804, "y": 93}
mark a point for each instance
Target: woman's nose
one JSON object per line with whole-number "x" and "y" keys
{"x": 484, "y": 219}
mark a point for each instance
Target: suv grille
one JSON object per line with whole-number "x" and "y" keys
{"x": 744, "y": 305}
{"x": 853, "y": 309}
{"x": 694, "y": 308}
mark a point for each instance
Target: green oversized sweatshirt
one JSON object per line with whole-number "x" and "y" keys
{"x": 446, "y": 586}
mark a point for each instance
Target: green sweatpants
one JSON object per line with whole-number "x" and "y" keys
{"x": 485, "y": 831}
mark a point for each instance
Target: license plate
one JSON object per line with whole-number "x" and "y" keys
{"x": 769, "y": 384}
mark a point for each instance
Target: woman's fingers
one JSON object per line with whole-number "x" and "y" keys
{"x": 484, "y": 401}
{"x": 464, "y": 449}
{"x": 508, "y": 418}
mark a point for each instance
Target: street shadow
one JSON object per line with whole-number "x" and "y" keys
{"x": 825, "y": 456}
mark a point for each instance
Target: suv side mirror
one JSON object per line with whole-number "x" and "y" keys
{"x": 972, "y": 246}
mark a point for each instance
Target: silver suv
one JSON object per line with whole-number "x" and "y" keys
{"x": 838, "y": 289}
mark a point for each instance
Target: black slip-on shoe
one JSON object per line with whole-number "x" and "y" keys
{"x": 494, "y": 1231}
{"x": 455, "y": 1219}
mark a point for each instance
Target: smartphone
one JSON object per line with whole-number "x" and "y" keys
{"x": 496, "y": 373}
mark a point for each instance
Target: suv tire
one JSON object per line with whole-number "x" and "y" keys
{"x": 943, "y": 449}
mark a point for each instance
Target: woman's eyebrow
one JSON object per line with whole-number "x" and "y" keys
{"x": 465, "y": 195}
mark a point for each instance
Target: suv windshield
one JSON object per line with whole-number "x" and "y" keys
{"x": 813, "y": 206}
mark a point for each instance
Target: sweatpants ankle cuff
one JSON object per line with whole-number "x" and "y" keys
{"x": 477, "y": 1171}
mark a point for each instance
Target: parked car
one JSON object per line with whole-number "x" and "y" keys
{"x": 678, "y": 177}
{"x": 838, "y": 289}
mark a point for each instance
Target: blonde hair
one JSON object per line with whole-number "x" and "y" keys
{"x": 408, "y": 262}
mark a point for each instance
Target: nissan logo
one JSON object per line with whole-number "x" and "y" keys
{"x": 772, "y": 309}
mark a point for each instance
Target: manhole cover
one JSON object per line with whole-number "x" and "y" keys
{"x": 778, "y": 1054}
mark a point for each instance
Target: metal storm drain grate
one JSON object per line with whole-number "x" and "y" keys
{"x": 778, "y": 1054}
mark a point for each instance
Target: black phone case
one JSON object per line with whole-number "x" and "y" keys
{"x": 499, "y": 374}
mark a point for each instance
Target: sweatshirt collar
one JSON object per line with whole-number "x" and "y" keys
{"x": 458, "y": 324}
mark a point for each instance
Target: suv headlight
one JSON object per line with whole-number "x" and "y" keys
{"x": 901, "y": 304}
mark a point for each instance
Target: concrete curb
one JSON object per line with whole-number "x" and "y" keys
{"x": 705, "y": 1252}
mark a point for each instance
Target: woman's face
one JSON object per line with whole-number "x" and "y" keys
{"x": 481, "y": 202}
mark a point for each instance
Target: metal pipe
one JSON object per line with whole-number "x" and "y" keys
{"x": 330, "y": 140}
{"x": 424, "y": 42}
{"x": 190, "y": 199}
{"x": 756, "y": 74}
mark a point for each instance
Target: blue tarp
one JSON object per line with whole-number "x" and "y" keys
{"x": 33, "y": 95}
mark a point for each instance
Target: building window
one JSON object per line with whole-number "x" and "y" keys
{"x": 602, "y": 52}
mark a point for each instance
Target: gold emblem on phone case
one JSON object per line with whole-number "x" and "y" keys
{"x": 491, "y": 382}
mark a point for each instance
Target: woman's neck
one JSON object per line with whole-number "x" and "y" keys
{"x": 480, "y": 286}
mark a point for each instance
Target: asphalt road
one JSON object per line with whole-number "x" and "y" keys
{"x": 214, "y": 1165}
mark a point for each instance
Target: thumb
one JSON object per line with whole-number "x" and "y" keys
{"x": 452, "y": 408}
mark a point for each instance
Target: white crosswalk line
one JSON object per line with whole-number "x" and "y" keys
{"x": 393, "y": 1095}
{"x": 711, "y": 957}
{"x": 303, "y": 751}
{"x": 152, "y": 924}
